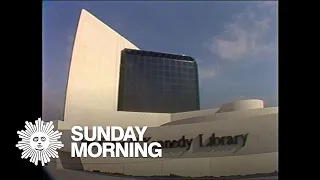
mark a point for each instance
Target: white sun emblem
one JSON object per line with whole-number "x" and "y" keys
{"x": 39, "y": 142}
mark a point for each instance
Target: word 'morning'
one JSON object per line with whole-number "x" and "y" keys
{"x": 127, "y": 149}
{"x": 113, "y": 134}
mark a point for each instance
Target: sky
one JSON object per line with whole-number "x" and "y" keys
{"x": 235, "y": 44}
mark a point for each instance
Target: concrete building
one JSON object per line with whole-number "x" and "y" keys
{"x": 247, "y": 132}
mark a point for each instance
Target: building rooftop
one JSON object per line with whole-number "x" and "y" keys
{"x": 158, "y": 54}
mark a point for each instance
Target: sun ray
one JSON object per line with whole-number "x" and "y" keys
{"x": 46, "y": 129}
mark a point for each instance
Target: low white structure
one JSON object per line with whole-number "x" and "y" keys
{"x": 243, "y": 134}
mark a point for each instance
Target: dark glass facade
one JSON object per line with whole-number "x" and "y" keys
{"x": 157, "y": 82}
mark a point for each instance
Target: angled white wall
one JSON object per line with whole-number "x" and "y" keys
{"x": 258, "y": 155}
{"x": 94, "y": 69}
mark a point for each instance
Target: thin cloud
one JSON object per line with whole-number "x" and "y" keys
{"x": 246, "y": 35}
{"x": 206, "y": 72}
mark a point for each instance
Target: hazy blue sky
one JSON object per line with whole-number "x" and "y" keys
{"x": 234, "y": 43}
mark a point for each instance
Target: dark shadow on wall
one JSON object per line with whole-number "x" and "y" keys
{"x": 69, "y": 162}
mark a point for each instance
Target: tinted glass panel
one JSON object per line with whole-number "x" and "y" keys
{"x": 157, "y": 82}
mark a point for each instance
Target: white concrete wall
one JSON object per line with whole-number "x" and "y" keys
{"x": 94, "y": 71}
{"x": 194, "y": 167}
{"x": 262, "y": 130}
{"x": 259, "y": 155}
{"x": 191, "y": 114}
{"x": 122, "y": 119}
{"x": 242, "y": 105}
{"x": 198, "y": 118}
{"x": 125, "y": 119}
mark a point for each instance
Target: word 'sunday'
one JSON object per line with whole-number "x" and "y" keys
{"x": 112, "y": 145}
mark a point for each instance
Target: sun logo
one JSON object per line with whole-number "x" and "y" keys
{"x": 39, "y": 142}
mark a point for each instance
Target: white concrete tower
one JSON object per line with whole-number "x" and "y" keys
{"x": 92, "y": 88}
